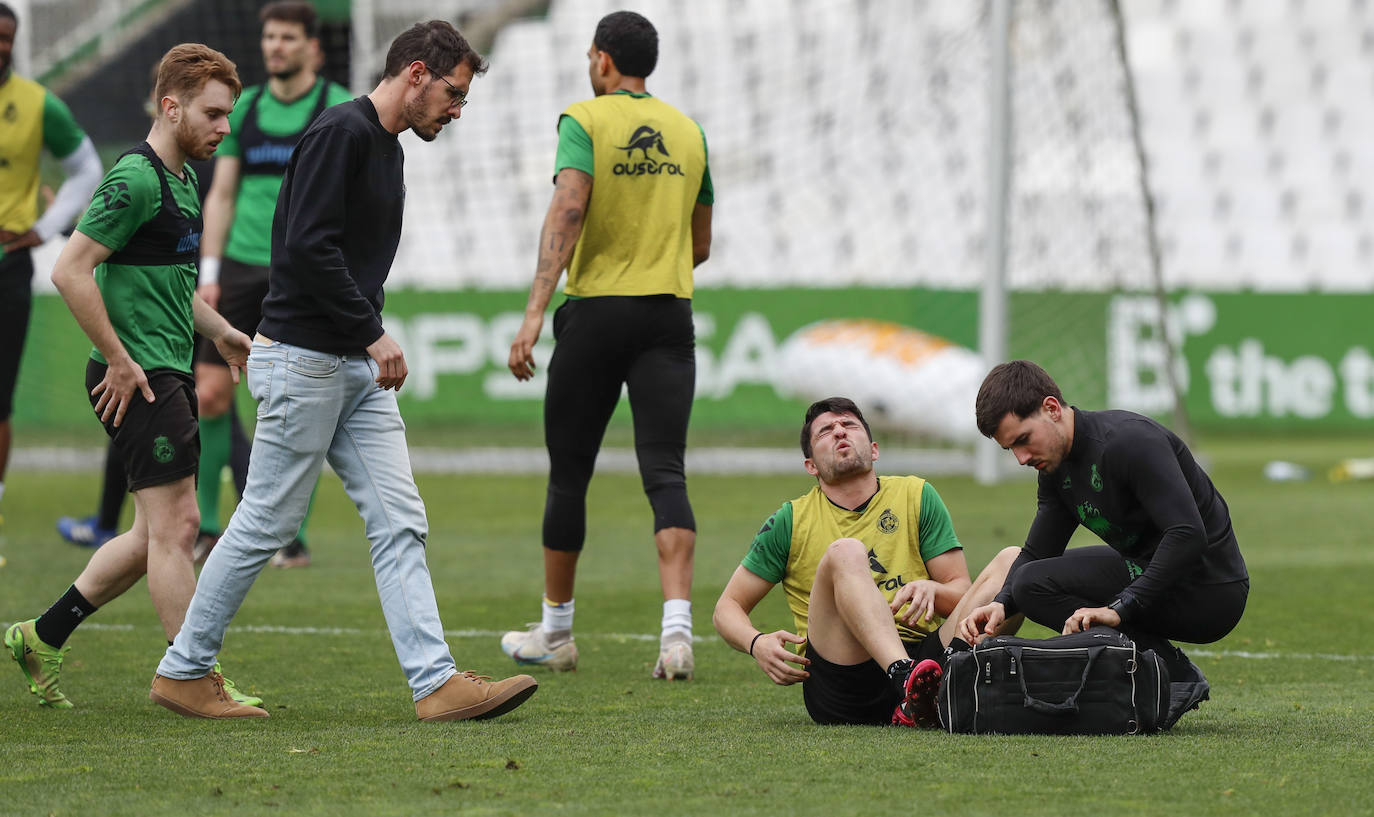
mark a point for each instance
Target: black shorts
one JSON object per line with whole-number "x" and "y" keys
{"x": 242, "y": 288}
{"x": 159, "y": 442}
{"x": 16, "y": 301}
{"x": 857, "y": 693}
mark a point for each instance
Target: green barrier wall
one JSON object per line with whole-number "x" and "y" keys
{"x": 1253, "y": 361}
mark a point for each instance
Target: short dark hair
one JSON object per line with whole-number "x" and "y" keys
{"x": 631, "y": 40}
{"x": 292, "y": 11}
{"x": 1017, "y": 387}
{"x": 437, "y": 44}
{"x": 6, "y": 11}
{"x": 839, "y": 405}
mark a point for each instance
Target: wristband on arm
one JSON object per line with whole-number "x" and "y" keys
{"x": 751, "y": 643}
{"x": 208, "y": 271}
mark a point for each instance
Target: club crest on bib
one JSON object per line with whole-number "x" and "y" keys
{"x": 888, "y": 523}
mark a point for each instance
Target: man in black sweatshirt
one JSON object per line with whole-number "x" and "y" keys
{"x": 324, "y": 373}
{"x": 1171, "y": 567}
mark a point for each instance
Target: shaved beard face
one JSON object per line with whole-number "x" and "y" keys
{"x": 420, "y": 120}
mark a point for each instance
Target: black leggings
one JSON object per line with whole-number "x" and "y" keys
{"x": 1049, "y": 590}
{"x": 647, "y": 344}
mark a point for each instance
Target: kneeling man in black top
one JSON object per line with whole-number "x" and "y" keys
{"x": 1171, "y": 567}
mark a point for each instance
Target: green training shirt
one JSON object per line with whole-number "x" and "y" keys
{"x": 250, "y": 236}
{"x": 149, "y": 306}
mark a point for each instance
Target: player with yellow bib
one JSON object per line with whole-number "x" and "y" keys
{"x": 31, "y": 118}
{"x": 630, "y": 219}
{"x": 873, "y": 573}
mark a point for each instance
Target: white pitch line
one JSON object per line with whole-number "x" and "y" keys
{"x": 1265, "y": 656}
{"x": 353, "y": 632}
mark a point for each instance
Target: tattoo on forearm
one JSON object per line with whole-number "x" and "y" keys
{"x": 562, "y": 227}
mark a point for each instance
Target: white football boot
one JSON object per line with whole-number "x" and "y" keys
{"x": 532, "y": 646}
{"x": 675, "y": 661}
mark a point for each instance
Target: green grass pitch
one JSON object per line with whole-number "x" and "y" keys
{"x": 1288, "y": 730}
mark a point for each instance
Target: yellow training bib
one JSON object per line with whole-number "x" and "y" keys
{"x": 21, "y": 140}
{"x": 888, "y": 526}
{"x": 649, "y": 159}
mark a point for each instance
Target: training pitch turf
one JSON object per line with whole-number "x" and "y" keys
{"x": 1288, "y": 730}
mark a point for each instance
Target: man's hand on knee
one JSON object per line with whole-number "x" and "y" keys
{"x": 1085, "y": 617}
{"x": 982, "y": 622}
{"x": 921, "y": 594}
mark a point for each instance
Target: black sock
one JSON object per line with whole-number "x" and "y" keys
{"x": 56, "y": 625}
{"x": 897, "y": 673}
{"x": 112, "y": 491}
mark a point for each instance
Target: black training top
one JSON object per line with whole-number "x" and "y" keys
{"x": 1134, "y": 483}
{"x": 335, "y": 232}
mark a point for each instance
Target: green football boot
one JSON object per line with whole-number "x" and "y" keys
{"x": 41, "y": 664}
{"x": 233, "y": 691}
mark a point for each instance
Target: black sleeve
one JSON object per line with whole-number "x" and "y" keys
{"x": 1049, "y": 534}
{"x": 325, "y": 163}
{"x": 1004, "y": 595}
{"x": 1157, "y": 482}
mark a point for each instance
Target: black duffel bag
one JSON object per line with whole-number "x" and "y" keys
{"x": 1091, "y": 683}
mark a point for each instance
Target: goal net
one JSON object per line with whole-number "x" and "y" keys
{"x": 848, "y": 145}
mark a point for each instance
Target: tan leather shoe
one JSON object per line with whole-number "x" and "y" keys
{"x": 469, "y": 695}
{"x": 202, "y": 697}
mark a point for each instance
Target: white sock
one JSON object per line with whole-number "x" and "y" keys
{"x": 677, "y": 617}
{"x": 557, "y": 617}
{"x": 2, "y": 490}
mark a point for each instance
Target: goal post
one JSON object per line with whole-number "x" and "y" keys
{"x": 853, "y": 145}
{"x": 1074, "y": 217}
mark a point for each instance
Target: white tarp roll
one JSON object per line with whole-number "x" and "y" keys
{"x": 900, "y": 377}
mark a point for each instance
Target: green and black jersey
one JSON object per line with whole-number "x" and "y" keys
{"x": 263, "y": 130}
{"x": 1134, "y": 484}
{"x": 149, "y": 280}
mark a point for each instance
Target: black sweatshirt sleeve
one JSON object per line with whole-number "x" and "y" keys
{"x": 1049, "y": 535}
{"x": 326, "y": 162}
{"x": 1159, "y": 485}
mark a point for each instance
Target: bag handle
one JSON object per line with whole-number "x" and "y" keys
{"x": 1070, "y": 705}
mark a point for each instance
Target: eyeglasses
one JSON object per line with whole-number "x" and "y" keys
{"x": 454, "y": 94}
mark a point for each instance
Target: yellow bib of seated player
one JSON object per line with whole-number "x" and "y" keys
{"x": 21, "y": 140}
{"x": 648, "y": 161}
{"x": 887, "y": 527}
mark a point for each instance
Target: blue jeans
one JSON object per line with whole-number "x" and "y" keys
{"x": 313, "y": 405}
